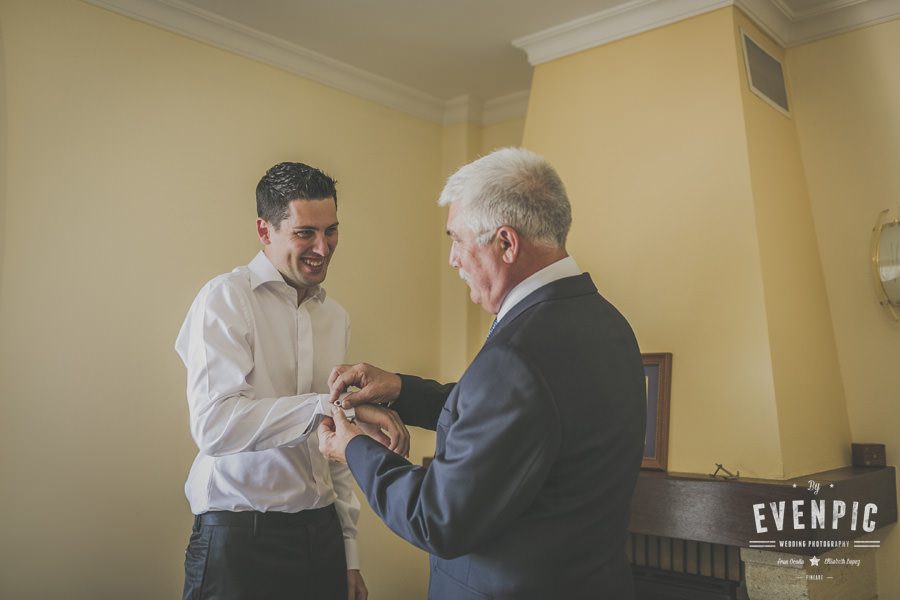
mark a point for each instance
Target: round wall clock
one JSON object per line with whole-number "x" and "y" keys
{"x": 886, "y": 259}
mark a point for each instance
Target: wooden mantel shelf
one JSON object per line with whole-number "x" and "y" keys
{"x": 697, "y": 507}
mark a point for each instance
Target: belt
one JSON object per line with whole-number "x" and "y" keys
{"x": 255, "y": 520}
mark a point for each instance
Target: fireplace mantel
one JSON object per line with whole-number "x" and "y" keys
{"x": 697, "y": 507}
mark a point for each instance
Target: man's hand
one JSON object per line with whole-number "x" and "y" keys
{"x": 375, "y": 386}
{"x": 356, "y": 587}
{"x": 385, "y": 426}
{"x": 334, "y": 435}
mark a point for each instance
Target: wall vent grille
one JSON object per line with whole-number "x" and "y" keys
{"x": 765, "y": 75}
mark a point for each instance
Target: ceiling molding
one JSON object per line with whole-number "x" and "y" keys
{"x": 469, "y": 109}
{"x": 610, "y": 25}
{"x": 814, "y": 11}
{"x": 845, "y": 16}
{"x": 192, "y": 22}
{"x": 462, "y": 109}
{"x": 770, "y": 16}
{"x": 787, "y": 27}
{"x": 226, "y": 34}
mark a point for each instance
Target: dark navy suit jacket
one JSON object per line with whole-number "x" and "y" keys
{"x": 538, "y": 450}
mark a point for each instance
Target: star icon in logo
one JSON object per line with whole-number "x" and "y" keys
{"x": 814, "y": 562}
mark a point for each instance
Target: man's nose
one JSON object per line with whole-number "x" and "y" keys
{"x": 454, "y": 262}
{"x": 321, "y": 246}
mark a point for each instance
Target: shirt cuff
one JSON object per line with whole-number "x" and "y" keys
{"x": 351, "y": 550}
{"x": 325, "y": 409}
{"x": 350, "y": 413}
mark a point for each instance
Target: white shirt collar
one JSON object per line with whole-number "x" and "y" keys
{"x": 263, "y": 271}
{"x": 565, "y": 267}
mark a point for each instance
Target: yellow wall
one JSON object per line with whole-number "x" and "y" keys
{"x": 812, "y": 415}
{"x": 460, "y": 144}
{"x": 648, "y": 135}
{"x": 846, "y": 93}
{"x": 502, "y": 135}
{"x": 131, "y": 182}
{"x": 3, "y": 149}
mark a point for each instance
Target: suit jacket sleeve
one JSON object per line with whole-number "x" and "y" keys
{"x": 421, "y": 400}
{"x": 499, "y": 447}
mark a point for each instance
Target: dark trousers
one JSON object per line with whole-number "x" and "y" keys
{"x": 251, "y": 555}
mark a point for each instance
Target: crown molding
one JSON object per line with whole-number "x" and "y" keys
{"x": 770, "y": 16}
{"x": 846, "y": 15}
{"x": 610, "y": 25}
{"x": 192, "y": 22}
{"x": 462, "y": 109}
{"x": 470, "y": 109}
{"x": 815, "y": 11}
{"x": 228, "y": 35}
{"x": 786, "y": 27}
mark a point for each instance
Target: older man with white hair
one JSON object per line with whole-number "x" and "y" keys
{"x": 540, "y": 442}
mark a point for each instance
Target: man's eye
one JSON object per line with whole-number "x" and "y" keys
{"x": 304, "y": 233}
{"x": 331, "y": 231}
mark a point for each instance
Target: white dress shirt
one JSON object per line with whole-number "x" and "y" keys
{"x": 255, "y": 361}
{"x": 564, "y": 267}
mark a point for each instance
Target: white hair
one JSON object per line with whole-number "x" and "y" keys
{"x": 514, "y": 187}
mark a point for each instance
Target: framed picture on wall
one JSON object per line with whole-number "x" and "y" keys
{"x": 658, "y": 382}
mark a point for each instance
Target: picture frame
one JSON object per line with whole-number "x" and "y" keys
{"x": 658, "y": 382}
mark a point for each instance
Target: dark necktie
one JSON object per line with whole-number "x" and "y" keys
{"x": 491, "y": 332}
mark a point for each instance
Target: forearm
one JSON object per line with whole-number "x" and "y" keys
{"x": 241, "y": 423}
{"x": 398, "y": 493}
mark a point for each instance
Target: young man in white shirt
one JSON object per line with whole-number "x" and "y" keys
{"x": 274, "y": 519}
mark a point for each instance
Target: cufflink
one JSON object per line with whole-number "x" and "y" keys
{"x": 350, "y": 413}
{"x": 340, "y": 400}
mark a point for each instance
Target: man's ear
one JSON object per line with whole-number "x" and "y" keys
{"x": 510, "y": 243}
{"x": 263, "y": 228}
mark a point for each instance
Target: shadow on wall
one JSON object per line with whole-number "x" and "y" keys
{"x": 3, "y": 154}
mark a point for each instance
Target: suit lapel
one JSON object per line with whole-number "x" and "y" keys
{"x": 567, "y": 287}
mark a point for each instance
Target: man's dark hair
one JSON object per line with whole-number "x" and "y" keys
{"x": 286, "y": 182}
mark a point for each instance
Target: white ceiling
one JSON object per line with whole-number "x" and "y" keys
{"x": 455, "y": 60}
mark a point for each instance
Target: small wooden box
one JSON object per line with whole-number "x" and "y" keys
{"x": 868, "y": 455}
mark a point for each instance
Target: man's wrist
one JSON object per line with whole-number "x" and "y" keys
{"x": 389, "y": 403}
{"x": 327, "y": 407}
